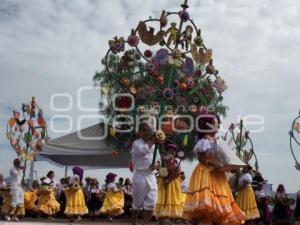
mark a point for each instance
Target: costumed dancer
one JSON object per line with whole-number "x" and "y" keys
{"x": 281, "y": 211}
{"x": 209, "y": 198}
{"x": 297, "y": 209}
{"x": 262, "y": 203}
{"x": 245, "y": 197}
{"x": 2, "y": 187}
{"x": 113, "y": 203}
{"x": 75, "y": 202}
{"x": 128, "y": 196}
{"x": 94, "y": 195}
{"x": 144, "y": 189}
{"x": 170, "y": 202}
{"x": 17, "y": 195}
{"x": 30, "y": 198}
{"x": 47, "y": 204}
{"x": 51, "y": 176}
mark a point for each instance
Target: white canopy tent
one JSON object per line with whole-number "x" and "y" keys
{"x": 89, "y": 151}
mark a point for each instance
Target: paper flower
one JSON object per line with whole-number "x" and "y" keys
{"x": 168, "y": 93}
{"x": 133, "y": 40}
{"x": 184, "y": 16}
{"x": 148, "y": 53}
{"x": 220, "y": 85}
{"x": 190, "y": 81}
{"x": 163, "y": 172}
{"x": 203, "y": 110}
{"x": 160, "y": 135}
{"x": 181, "y": 154}
{"x": 114, "y": 153}
{"x": 117, "y": 45}
{"x": 161, "y": 56}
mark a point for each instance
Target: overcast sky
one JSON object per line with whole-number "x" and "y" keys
{"x": 49, "y": 47}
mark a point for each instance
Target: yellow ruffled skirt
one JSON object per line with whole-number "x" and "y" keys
{"x": 246, "y": 201}
{"x": 209, "y": 198}
{"x": 47, "y": 203}
{"x": 6, "y": 206}
{"x": 170, "y": 199}
{"x": 113, "y": 204}
{"x": 30, "y": 198}
{"x": 75, "y": 203}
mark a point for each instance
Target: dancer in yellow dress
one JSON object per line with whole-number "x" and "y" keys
{"x": 170, "y": 202}
{"x": 47, "y": 203}
{"x": 30, "y": 197}
{"x": 246, "y": 197}
{"x": 75, "y": 202}
{"x": 113, "y": 203}
{"x": 209, "y": 199}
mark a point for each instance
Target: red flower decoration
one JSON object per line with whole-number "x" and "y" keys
{"x": 133, "y": 40}
{"x": 114, "y": 153}
{"x": 148, "y": 53}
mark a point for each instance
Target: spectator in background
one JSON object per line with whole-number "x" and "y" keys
{"x": 87, "y": 188}
{"x": 297, "y": 209}
{"x": 61, "y": 196}
{"x": 281, "y": 212}
{"x": 120, "y": 184}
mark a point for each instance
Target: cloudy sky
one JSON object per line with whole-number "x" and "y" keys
{"x": 55, "y": 46}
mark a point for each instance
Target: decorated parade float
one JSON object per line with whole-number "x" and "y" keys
{"x": 161, "y": 72}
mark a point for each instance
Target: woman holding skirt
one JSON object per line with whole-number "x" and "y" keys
{"x": 246, "y": 197}
{"x": 170, "y": 200}
{"x": 209, "y": 199}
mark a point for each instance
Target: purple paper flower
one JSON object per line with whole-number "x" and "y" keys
{"x": 220, "y": 85}
{"x": 190, "y": 81}
{"x": 188, "y": 67}
{"x": 184, "y": 16}
{"x": 161, "y": 56}
{"x": 168, "y": 93}
{"x": 203, "y": 110}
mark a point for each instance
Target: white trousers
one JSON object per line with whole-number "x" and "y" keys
{"x": 144, "y": 191}
{"x": 17, "y": 197}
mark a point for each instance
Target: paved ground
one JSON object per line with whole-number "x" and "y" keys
{"x": 66, "y": 222}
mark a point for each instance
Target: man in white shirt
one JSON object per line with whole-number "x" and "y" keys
{"x": 144, "y": 189}
{"x": 16, "y": 189}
